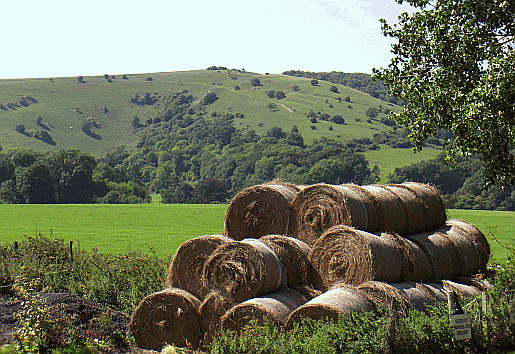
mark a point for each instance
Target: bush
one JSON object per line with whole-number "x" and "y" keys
{"x": 255, "y": 82}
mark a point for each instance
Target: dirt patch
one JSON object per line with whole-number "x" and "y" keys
{"x": 89, "y": 319}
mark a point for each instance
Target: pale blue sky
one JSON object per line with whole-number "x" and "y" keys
{"x": 70, "y": 38}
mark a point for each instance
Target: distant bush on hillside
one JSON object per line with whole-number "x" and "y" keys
{"x": 255, "y": 82}
{"x": 216, "y": 68}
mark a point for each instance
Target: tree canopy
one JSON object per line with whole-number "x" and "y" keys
{"x": 454, "y": 64}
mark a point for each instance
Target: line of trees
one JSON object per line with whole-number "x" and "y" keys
{"x": 63, "y": 177}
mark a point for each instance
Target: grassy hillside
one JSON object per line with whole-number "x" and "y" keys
{"x": 64, "y": 104}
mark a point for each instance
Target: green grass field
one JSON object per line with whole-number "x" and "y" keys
{"x": 164, "y": 227}
{"x": 388, "y": 158}
{"x": 113, "y": 228}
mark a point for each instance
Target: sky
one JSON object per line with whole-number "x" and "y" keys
{"x": 56, "y": 38}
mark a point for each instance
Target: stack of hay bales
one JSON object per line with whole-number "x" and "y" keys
{"x": 317, "y": 251}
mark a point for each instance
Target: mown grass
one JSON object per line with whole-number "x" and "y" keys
{"x": 114, "y": 228}
{"x": 164, "y": 227}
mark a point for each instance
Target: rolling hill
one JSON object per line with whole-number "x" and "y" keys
{"x": 61, "y": 107}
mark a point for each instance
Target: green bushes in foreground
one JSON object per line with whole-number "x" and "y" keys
{"x": 121, "y": 281}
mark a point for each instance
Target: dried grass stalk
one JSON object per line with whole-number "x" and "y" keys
{"x": 330, "y": 305}
{"x": 348, "y": 255}
{"x": 432, "y": 204}
{"x": 274, "y": 307}
{"x": 169, "y": 316}
{"x": 318, "y": 207}
{"x": 475, "y": 237}
{"x": 260, "y": 210}
{"x": 243, "y": 270}
{"x": 185, "y": 271}
{"x": 211, "y": 311}
{"x": 293, "y": 254}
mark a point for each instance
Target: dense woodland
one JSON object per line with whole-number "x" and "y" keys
{"x": 191, "y": 157}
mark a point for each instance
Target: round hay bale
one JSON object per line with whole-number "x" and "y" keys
{"x": 348, "y": 255}
{"x": 393, "y": 214}
{"x": 468, "y": 250}
{"x": 476, "y": 237}
{"x": 434, "y": 290}
{"x": 413, "y": 206}
{"x": 244, "y": 269}
{"x": 433, "y": 205}
{"x": 170, "y": 317}
{"x": 463, "y": 291}
{"x": 293, "y": 254}
{"x": 185, "y": 271}
{"x": 418, "y": 299}
{"x": 210, "y": 312}
{"x": 335, "y": 302}
{"x": 475, "y": 281}
{"x": 274, "y": 307}
{"x": 415, "y": 264}
{"x": 435, "y": 246}
{"x": 384, "y": 294}
{"x": 371, "y": 205}
{"x": 260, "y": 210}
{"x": 318, "y": 207}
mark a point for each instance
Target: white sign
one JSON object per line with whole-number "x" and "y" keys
{"x": 462, "y": 326}
{"x": 512, "y": 310}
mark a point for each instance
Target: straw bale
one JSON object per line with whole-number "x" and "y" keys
{"x": 476, "y": 237}
{"x": 260, "y": 210}
{"x": 468, "y": 248}
{"x": 211, "y": 311}
{"x": 293, "y": 254}
{"x": 433, "y": 205}
{"x": 463, "y": 291}
{"x": 434, "y": 290}
{"x": 435, "y": 246}
{"x": 418, "y": 299}
{"x": 348, "y": 255}
{"x": 371, "y": 205}
{"x": 318, "y": 207}
{"x": 384, "y": 294}
{"x": 337, "y": 301}
{"x": 166, "y": 317}
{"x": 415, "y": 264}
{"x": 413, "y": 206}
{"x": 186, "y": 268}
{"x": 244, "y": 269}
{"x": 274, "y": 307}
{"x": 475, "y": 281}
{"x": 393, "y": 213}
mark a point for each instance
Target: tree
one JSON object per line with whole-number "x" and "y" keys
{"x": 255, "y": 82}
{"x": 338, "y": 119}
{"x": 454, "y": 64}
{"x": 333, "y": 89}
{"x": 296, "y": 88}
{"x": 314, "y": 82}
{"x": 372, "y": 112}
{"x": 271, "y": 106}
{"x": 280, "y": 95}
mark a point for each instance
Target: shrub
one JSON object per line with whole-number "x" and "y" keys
{"x": 255, "y": 82}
